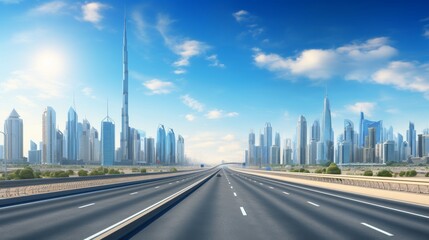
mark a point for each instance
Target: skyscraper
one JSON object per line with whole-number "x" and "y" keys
{"x": 94, "y": 146}
{"x": 13, "y": 128}
{"x": 268, "y": 134}
{"x": 125, "y": 130}
{"x": 364, "y": 125}
{"x": 275, "y": 150}
{"x": 251, "y": 156}
{"x": 312, "y": 146}
{"x": 301, "y": 140}
{"x": 411, "y": 139}
{"x": 149, "y": 146}
{"x": 60, "y": 146}
{"x": 261, "y": 152}
{"x": 71, "y": 135}
{"x": 34, "y": 155}
{"x": 84, "y": 145}
{"x": 107, "y": 141}
{"x": 160, "y": 145}
{"x": 325, "y": 147}
{"x": 49, "y": 136}
{"x": 180, "y": 149}
{"x": 170, "y": 147}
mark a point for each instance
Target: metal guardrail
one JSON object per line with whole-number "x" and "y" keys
{"x": 391, "y": 184}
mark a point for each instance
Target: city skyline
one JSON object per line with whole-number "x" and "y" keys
{"x": 261, "y": 73}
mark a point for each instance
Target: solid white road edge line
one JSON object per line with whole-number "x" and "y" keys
{"x": 134, "y": 193}
{"x": 87, "y": 205}
{"x": 243, "y": 211}
{"x": 351, "y": 199}
{"x": 377, "y": 229}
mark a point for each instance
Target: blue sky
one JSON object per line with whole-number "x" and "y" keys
{"x": 214, "y": 70}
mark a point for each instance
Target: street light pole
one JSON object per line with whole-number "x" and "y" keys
{"x": 4, "y": 159}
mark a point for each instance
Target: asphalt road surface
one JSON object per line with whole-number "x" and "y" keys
{"x": 243, "y": 206}
{"x": 80, "y": 216}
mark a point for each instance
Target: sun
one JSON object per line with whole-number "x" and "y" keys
{"x": 49, "y": 62}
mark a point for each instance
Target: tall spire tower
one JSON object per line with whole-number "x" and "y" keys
{"x": 125, "y": 120}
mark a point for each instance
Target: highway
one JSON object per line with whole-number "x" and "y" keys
{"x": 243, "y": 206}
{"x": 80, "y": 216}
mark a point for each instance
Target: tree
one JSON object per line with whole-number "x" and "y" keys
{"x": 402, "y": 173}
{"x": 333, "y": 169}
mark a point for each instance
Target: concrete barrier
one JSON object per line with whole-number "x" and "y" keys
{"x": 26, "y": 194}
{"x": 420, "y": 186}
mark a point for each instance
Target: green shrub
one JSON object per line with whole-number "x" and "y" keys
{"x": 333, "y": 169}
{"x": 384, "y": 173}
{"x": 113, "y": 171}
{"x": 411, "y": 173}
{"x": 105, "y": 170}
{"x": 70, "y": 172}
{"x": 134, "y": 169}
{"x": 319, "y": 170}
{"x": 26, "y": 173}
{"x": 173, "y": 169}
{"x": 402, "y": 173}
{"x": 96, "y": 172}
{"x": 368, "y": 173}
{"x": 82, "y": 173}
{"x": 427, "y": 174}
{"x": 143, "y": 170}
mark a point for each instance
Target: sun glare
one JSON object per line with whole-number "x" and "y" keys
{"x": 49, "y": 62}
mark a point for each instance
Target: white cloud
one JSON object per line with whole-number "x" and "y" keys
{"x": 87, "y": 91}
{"x": 404, "y": 75}
{"x": 183, "y": 47}
{"x": 365, "y": 107}
{"x": 229, "y": 137}
{"x": 179, "y": 71}
{"x": 25, "y": 101}
{"x": 216, "y": 114}
{"x": 213, "y": 147}
{"x": 54, "y": 7}
{"x": 241, "y": 15}
{"x": 28, "y": 36}
{"x": 215, "y": 61}
{"x": 157, "y": 86}
{"x": 140, "y": 25}
{"x": 192, "y": 103}
{"x": 190, "y": 117}
{"x": 356, "y": 61}
{"x": 426, "y": 33}
{"x": 91, "y": 12}
{"x": 187, "y": 50}
{"x": 232, "y": 114}
{"x": 34, "y": 83}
